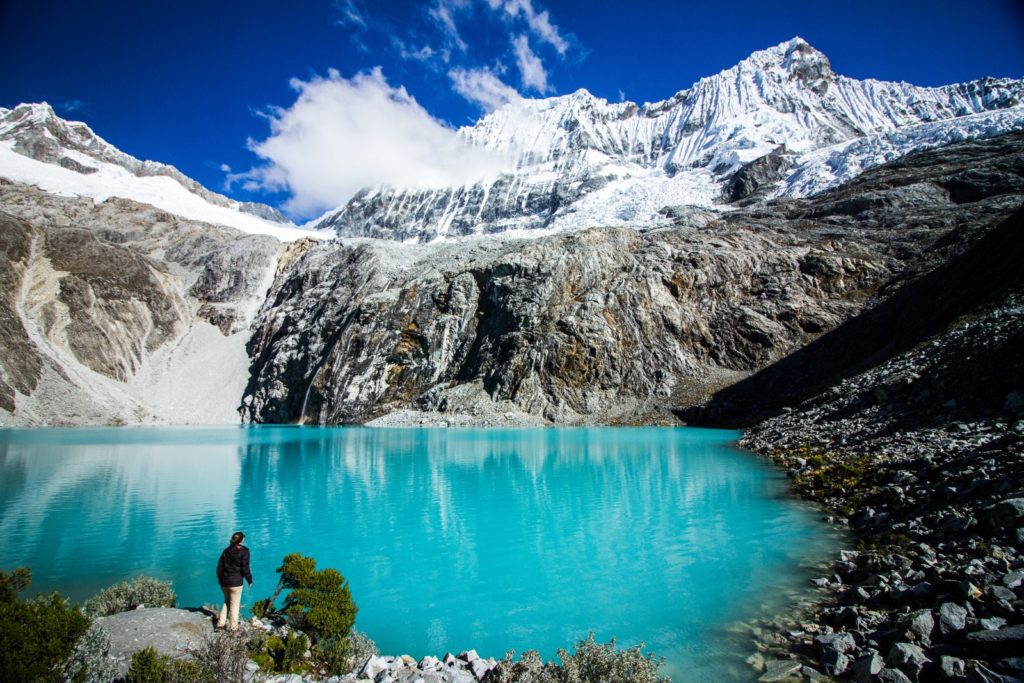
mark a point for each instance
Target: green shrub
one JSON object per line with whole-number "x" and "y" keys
{"x": 261, "y": 608}
{"x": 37, "y": 635}
{"x": 125, "y": 596}
{"x": 149, "y": 666}
{"x": 590, "y": 662}
{"x": 89, "y": 661}
{"x": 318, "y": 603}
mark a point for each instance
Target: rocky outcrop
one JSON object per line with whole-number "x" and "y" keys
{"x": 120, "y": 312}
{"x": 758, "y": 175}
{"x": 609, "y": 325}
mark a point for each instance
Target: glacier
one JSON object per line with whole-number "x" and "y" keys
{"x": 581, "y": 161}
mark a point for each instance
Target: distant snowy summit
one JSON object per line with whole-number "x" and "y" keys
{"x": 780, "y": 123}
{"x": 39, "y": 148}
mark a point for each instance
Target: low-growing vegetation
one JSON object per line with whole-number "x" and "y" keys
{"x": 149, "y": 666}
{"x": 590, "y": 662}
{"x": 89, "y": 662}
{"x": 128, "y": 595}
{"x": 46, "y": 639}
{"x": 38, "y": 635}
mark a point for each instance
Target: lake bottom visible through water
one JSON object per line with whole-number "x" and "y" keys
{"x": 451, "y": 539}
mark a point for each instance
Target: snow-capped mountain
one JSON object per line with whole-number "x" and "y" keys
{"x": 37, "y": 147}
{"x": 582, "y": 161}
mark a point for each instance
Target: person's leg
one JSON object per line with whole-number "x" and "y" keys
{"x": 236, "y": 599}
{"x": 222, "y": 619}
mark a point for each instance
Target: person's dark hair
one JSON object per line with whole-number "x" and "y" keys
{"x": 237, "y": 538}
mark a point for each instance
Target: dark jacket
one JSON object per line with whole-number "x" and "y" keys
{"x": 233, "y": 566}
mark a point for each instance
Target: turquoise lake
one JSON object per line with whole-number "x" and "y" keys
{"x": 450, "y": 538}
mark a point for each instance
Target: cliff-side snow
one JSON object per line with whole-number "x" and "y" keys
{"x": 582, "y": 161}
{"x": 39, "y": 148}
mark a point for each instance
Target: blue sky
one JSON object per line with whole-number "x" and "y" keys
{"x": 190, "y": 83}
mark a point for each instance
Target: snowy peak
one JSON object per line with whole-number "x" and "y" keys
{"x": 582, "y": 161}
{"x": 38, "y": 147}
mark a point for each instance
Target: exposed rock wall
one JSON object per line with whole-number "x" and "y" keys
{"x": 609, "y": 325}
{"x": 106, "y": 311}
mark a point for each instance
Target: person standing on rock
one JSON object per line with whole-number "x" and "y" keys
{"x": 232, "y": 567}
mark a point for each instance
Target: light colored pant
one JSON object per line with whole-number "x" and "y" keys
{"x": 232, "y": 598}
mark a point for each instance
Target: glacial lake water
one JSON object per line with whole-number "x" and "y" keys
{"x": 450, "y": 538}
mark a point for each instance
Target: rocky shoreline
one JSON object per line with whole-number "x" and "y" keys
{"x": 922, "y": 459}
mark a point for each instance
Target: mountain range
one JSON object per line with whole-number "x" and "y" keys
{"x": 634, "y": 262}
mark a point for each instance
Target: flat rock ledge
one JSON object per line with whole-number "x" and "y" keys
{"x": 169, "y": 631}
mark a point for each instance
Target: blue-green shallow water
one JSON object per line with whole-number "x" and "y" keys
{"x": 450, "y": 539}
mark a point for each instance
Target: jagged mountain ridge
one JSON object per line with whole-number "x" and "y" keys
{"x": 581, "y": 161}
{"x": 40, "y": 148}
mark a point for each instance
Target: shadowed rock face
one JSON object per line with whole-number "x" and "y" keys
{"x": 609, "y": 325}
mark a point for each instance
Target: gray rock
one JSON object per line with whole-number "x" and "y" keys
{"x": 865, "y": 668}
{"x": 479, "y": 667}
{"x": 373, "y": 667}
{"x": 779, "y": 670}
{"x": 951, "y": 668}
{"x": 1007, "y": 514}
{"x": 908, "y": 658}
{"x": 1013, "y": 579}
{"x": 834, "y": 662}
{"x": 1005, "y": 641}
{"x": 979, "y": 673}
{"x": 920, "y": 625}
{"x": 841, "y": 642}
{"x": 893, "y": 676}
{"x": 169, "y": 631}
{"x": 952, "y": 618}
{"x": 992, "y": 623}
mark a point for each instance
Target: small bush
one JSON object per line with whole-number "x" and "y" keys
{"x": 590, "y": 662}
{"x": 38, "y": 635}
{"x": 125, "y": 596}
{"x": 223, "y": 656}
{"x": 89, "y": 661}
{"x": 149, "y": 666}
{"x": 280, "y": 655}
{"x": 357, "y": 650}
{"x": 319, "y": 604}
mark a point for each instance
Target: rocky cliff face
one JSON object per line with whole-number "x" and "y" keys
{"x": 581, "y": 161}
{"x": 609, "y": 324}
{"x": 120, "y": 312}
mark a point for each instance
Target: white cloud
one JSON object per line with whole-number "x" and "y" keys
{"x": 531, "y": 69}
{"x": 224, "y": 168}
{"x": 483, "y": 88}
{"x": 442, "y": 15}
{"x": 342, "y": 135}
{"x": 349, "y": 14}
{"x": 539, "y": 22}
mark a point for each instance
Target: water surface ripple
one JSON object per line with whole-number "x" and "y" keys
{"x": 450, "y": 539}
